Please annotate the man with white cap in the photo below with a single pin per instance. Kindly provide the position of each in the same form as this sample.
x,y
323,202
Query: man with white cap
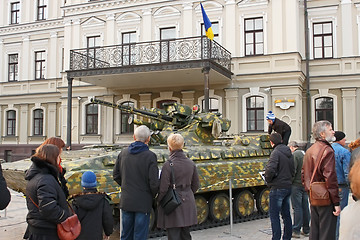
x,y
278,126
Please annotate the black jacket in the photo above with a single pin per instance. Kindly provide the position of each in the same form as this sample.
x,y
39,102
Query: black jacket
x,y
45,190
95,214
280,167
279,126
4,192
138,176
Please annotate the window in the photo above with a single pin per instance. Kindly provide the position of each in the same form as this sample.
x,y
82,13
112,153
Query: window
x,y
91,119
255,113
167,49
128,49
213,105
324,109
41,10
254,36
214,27
323,40
13,68
8,156
10,123
125,126
38,122
15,12
40,65
93,42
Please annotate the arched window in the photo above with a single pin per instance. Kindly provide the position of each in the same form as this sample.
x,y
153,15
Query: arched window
x,y
324,109
255,113
10,123
213,105
125,126
38,122
92,119
160,104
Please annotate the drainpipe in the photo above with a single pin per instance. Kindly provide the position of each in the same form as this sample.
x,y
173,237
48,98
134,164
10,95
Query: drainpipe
x,y
307,77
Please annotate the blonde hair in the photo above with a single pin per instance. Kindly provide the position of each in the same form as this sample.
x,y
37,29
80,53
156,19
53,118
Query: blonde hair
x,y
175,141
354,144
354,178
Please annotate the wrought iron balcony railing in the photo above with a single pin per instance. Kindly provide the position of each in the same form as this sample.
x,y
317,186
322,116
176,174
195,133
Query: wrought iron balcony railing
x,y
163,51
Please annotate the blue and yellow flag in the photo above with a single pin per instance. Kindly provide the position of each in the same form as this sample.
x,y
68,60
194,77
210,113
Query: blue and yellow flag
x,y
207,24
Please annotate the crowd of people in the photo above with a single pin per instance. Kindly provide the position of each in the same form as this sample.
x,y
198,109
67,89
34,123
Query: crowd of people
x,y
291,177
289,173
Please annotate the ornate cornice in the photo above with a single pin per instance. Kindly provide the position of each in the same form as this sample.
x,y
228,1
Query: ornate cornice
x,y
34,26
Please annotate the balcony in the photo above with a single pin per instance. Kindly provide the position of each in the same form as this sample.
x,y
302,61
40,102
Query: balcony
x,y
166,63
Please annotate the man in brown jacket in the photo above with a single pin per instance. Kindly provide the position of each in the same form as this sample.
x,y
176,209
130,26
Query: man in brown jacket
x,y
323,219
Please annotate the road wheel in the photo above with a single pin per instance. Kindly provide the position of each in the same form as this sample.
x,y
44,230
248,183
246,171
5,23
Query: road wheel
x,y
202,209
219,207
262,200
244,203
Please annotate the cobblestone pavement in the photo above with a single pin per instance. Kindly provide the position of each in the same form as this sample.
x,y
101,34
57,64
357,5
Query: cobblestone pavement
x,y
13,225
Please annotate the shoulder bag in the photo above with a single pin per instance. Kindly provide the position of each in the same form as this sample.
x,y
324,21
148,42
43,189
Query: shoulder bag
x,y
171,200
319,195
69,229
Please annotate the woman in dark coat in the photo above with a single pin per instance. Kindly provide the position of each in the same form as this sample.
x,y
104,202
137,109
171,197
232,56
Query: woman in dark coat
x,y
45,199
4,192
177,223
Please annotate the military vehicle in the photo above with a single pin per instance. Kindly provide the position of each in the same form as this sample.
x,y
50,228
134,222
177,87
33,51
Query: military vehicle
x,y
218,159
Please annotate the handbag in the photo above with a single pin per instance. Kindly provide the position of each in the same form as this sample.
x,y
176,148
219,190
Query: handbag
x,y
319,195
69,229
171,200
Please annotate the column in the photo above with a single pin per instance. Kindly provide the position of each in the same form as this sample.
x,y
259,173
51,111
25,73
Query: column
x,y
110,29
67,44
188,98
3,74
276,26
292,25
51,120
347,28
349,112
23,124
188,19
76,37
230,26
52,61
232,109
108,133
69,103
146,30
25,60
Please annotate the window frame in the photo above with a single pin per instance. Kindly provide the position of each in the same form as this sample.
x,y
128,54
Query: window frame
x,y
127,47
253,32
125,115
94,116
12,125
41,10
213,110
15,13
323,35
92,49
41,62
255,109
39,121
323,111
13,66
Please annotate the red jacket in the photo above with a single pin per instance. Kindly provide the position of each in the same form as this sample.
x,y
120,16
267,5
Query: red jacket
x,y
326,171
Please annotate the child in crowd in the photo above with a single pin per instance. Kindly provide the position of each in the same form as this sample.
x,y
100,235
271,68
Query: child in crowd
x,y
93,210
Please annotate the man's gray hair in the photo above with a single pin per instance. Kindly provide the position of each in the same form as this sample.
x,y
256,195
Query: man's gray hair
x,y
142,133
293,144
320,127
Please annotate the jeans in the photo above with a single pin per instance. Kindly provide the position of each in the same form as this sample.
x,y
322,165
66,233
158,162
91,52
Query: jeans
x,y
135,225
300,205
280,203
344,199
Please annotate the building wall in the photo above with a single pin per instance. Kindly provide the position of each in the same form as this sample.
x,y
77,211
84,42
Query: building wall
x,y
277,75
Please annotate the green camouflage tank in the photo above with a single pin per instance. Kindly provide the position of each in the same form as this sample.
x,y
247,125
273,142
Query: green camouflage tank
x,y
218,159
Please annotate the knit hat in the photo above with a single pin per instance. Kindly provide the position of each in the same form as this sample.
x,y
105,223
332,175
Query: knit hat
x,y
339,135
88,179
275,138
270,116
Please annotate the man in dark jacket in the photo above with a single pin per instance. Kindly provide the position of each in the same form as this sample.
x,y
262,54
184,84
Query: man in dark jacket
x,y
93,210
323,218
278,126
4,192
137,173
278,175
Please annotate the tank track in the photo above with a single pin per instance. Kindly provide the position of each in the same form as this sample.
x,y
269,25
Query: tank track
x,y
211,224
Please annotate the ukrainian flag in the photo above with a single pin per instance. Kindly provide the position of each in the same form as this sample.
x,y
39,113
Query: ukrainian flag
x,y
207,24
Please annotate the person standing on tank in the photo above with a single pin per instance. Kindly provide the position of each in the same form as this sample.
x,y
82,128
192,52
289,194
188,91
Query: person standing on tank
x,y
137,173
278,126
